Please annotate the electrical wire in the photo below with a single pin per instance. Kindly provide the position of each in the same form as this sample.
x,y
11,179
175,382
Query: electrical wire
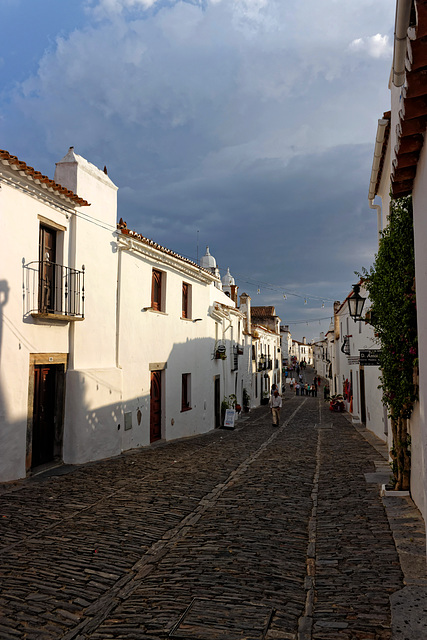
x,y
257,284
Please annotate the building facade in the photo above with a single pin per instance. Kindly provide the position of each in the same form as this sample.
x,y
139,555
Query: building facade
x,y
108,340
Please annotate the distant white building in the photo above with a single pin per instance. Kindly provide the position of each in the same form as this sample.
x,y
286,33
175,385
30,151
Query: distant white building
x,y
285,345
267,366
320,349
302,351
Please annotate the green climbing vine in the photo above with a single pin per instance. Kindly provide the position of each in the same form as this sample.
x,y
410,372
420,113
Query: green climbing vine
x,y
390,283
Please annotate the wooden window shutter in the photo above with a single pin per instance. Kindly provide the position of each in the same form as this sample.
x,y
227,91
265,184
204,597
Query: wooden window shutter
x,y
156,290
184,300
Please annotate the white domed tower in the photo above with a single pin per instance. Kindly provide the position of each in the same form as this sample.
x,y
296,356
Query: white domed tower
x,y
208,262
227,283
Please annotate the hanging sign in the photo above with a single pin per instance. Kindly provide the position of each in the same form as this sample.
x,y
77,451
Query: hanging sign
x,y
370,357
230,415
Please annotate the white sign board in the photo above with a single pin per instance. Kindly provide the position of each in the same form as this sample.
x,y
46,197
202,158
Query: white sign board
x,y
230,415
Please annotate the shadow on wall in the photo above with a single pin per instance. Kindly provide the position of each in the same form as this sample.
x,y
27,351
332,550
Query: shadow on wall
x,y
101,421
4,298
12,432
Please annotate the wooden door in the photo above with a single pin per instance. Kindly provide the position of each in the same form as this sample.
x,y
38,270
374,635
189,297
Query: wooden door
x,y
156,406
43,434
362,397
217,401
47,257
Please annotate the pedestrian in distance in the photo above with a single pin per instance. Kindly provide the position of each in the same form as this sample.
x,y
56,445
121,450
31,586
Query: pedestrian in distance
x,y
273,388
275,406
297,387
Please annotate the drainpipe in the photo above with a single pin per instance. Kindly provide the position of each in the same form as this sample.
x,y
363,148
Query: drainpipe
x,y
403,14
378,151
379,223
120,249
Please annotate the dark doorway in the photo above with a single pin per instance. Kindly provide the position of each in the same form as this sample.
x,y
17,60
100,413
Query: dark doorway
x,y
46,439
217,401
156,406
362,396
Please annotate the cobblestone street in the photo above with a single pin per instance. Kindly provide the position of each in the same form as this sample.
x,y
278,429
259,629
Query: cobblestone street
x,y
255,533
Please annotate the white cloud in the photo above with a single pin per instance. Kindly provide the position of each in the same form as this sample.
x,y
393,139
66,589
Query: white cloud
x,y
377,46
102,8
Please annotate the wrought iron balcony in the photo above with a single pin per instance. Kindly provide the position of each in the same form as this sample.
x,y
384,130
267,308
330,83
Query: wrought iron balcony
x,y
53,290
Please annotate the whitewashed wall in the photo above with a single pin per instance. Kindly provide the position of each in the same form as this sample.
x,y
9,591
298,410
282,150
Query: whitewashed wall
x,y
183,346
93,385
22,204
418,423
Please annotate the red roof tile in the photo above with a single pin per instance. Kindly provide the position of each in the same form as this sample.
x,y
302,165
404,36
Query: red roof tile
x,y
13,161
122,226
263,312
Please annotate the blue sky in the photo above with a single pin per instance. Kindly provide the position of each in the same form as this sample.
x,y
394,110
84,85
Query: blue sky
x,y
245,125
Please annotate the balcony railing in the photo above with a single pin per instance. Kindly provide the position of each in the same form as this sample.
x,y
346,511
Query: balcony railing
x,y
52,289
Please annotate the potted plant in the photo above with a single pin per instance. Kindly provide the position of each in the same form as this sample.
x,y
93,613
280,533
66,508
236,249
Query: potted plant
x,y
232,398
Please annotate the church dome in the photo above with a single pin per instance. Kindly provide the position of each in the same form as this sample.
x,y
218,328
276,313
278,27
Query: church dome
x,y
228,279
207,261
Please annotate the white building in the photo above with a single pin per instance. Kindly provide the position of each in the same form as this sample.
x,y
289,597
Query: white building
x,y
400,163
267,369
355,369
320,349
302,351
108,341
285,345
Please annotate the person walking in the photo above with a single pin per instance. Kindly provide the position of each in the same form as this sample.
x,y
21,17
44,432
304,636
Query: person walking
x,y
297,386
275,406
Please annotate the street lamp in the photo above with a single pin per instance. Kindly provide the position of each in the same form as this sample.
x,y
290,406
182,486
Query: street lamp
x,y
356,303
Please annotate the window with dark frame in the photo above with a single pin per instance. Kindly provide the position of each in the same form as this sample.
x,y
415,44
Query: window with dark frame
x,y
47,269
185,395
185,300
156,290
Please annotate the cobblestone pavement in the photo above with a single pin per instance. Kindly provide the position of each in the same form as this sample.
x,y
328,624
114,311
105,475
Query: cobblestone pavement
x,y
255,533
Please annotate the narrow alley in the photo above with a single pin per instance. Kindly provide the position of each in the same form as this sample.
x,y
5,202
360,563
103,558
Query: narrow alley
x,y
255,533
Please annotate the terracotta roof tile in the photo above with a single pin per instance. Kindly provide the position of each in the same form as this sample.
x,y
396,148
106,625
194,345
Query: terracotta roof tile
x,y
122,226
263,312
13,161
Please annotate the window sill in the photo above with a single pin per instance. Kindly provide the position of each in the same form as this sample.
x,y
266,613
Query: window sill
x,y
55,317
187,319
186,409
151,310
